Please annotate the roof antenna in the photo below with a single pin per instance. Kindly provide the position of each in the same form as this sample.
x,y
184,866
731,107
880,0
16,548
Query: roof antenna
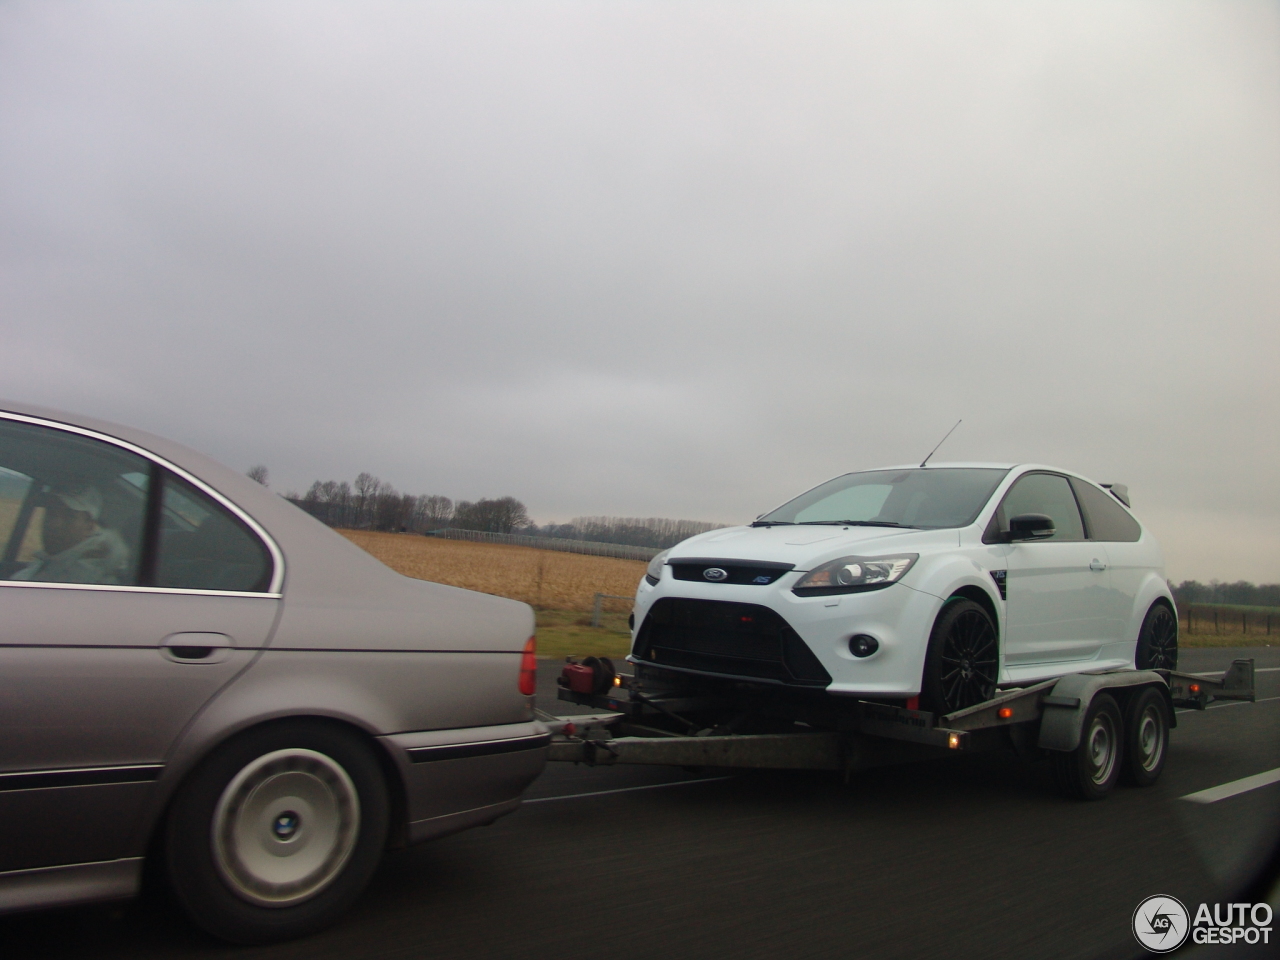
x,y
940,443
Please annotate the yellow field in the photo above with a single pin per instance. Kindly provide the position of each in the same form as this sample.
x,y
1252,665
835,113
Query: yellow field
x,y
560,586
544,578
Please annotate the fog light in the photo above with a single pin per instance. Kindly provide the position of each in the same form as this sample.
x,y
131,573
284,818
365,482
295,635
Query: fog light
x,y
863,645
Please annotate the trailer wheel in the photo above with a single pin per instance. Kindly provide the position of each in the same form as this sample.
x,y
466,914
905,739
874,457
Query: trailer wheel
x,y
1090,770
963,660
1146,737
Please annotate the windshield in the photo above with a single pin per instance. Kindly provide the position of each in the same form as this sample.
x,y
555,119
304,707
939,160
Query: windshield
x,y
927,498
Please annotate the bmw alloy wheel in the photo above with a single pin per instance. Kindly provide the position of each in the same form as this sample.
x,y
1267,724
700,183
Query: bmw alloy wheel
x,y
285,827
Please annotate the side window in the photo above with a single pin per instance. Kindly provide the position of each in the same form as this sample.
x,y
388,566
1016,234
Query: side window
x,y
1107,519
1049,494
204,547
72,509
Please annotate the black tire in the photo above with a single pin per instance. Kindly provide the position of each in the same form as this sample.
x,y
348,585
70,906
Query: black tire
x,y
1146,737
963,662
1092,769
1158,639
223,835
603,672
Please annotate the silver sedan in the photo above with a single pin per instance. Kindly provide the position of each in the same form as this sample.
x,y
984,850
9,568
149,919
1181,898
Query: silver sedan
x,y
191,665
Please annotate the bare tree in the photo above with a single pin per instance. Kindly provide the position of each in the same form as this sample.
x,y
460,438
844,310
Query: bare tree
x,y
494,516
258,473
367,486
387,508
433,512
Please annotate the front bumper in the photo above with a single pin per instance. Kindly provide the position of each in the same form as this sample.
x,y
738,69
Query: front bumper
x,y
899,617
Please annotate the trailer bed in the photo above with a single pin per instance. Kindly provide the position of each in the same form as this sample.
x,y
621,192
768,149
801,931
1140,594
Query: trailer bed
x,y
642,722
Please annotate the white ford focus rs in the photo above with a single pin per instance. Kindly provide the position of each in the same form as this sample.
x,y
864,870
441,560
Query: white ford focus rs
x,y
934,585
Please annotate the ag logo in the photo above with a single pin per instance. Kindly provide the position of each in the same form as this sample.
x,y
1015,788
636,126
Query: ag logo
x,y
715,574
1161,923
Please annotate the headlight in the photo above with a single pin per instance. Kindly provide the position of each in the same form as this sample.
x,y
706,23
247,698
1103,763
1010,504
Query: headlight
x,y
654,571
851,574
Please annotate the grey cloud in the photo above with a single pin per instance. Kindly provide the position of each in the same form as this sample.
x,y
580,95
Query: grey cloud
x,y
660,259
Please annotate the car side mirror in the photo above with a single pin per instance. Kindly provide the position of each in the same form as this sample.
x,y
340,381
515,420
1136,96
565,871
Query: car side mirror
x,y
1030,526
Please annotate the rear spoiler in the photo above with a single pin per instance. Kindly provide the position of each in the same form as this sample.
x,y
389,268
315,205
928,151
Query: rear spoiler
x,y
1119,491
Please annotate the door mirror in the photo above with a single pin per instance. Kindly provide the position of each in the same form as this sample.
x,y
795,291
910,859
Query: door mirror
x,y
1030,526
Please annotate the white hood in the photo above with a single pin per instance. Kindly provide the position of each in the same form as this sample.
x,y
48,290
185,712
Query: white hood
x,y
807,545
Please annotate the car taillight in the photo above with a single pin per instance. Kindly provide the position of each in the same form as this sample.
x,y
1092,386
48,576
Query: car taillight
x,y
529,669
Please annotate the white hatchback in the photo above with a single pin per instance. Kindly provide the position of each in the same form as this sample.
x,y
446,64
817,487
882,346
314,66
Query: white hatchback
x,y
933,585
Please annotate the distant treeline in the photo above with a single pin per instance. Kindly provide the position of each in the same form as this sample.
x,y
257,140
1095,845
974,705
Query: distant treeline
x,y
1240,593
373,504
634,531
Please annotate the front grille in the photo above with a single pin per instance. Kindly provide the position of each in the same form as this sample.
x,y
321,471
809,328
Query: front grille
x,y
732,639
752,572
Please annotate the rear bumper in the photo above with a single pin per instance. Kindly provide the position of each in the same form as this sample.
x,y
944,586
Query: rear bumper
x,y
459,778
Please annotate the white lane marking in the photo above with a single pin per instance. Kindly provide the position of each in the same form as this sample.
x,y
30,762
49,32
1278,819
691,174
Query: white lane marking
x,y
1227,703
647,786
1218,673
1244,785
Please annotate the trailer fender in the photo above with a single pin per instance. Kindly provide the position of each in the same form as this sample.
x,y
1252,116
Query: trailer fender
x,y
1068,702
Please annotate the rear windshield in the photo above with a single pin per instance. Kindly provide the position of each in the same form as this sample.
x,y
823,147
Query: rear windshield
x,y
930,498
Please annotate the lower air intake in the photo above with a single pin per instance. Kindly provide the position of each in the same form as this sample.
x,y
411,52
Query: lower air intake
x,y
731,639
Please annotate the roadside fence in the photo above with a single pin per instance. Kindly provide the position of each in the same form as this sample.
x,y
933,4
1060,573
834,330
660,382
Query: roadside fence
x,y
1206,619
597,608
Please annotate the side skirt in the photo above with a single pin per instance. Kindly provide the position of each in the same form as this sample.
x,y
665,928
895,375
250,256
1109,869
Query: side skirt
x,y
69,885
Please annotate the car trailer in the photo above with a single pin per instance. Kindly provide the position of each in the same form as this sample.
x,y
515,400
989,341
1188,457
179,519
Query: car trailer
x,y
1095,727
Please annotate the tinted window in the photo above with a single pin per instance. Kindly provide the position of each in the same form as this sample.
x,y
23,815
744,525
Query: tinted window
x,y
205,547
72,509
1049,494
1106,518
936,497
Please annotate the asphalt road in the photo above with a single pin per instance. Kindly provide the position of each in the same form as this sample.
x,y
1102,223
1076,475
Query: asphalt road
x,y
960,857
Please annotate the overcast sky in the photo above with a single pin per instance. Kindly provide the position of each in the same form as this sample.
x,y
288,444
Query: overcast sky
x,y
660,259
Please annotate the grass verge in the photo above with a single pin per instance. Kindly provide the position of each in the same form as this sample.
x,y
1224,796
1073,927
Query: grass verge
x,y
1224,639
566,633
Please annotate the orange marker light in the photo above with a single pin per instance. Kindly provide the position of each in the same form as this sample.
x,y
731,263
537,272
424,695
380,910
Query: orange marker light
x,y
617,680
1195,688
1005,712
953,741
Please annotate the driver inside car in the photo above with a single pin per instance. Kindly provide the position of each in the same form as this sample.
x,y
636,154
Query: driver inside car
x,y
76,548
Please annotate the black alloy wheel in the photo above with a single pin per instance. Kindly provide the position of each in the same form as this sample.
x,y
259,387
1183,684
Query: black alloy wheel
x,y
1158,639
963,661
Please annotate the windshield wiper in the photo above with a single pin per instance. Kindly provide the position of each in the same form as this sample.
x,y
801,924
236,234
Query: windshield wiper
x,y
862,523
773,523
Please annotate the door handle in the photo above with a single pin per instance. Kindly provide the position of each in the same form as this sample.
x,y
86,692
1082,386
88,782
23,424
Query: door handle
x,y
196,647
1097,564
